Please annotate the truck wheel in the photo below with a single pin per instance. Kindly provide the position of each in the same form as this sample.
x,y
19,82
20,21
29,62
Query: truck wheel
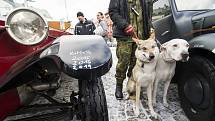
x,y
196,86
93,101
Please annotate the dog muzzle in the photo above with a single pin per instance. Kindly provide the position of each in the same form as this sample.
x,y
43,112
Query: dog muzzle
x,y
185,57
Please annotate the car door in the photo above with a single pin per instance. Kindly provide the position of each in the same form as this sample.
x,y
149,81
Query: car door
x,y
162,21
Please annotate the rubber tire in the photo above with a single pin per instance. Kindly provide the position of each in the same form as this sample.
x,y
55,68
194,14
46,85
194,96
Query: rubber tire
x,y
93,100
205,69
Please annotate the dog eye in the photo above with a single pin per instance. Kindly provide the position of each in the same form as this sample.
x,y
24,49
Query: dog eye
x,y
175,45
153,46
187,45
144,48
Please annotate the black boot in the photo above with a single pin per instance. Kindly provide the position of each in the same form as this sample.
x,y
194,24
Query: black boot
x,y
118,93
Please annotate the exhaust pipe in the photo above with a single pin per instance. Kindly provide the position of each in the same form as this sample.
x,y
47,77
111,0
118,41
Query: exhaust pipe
x,y
45,86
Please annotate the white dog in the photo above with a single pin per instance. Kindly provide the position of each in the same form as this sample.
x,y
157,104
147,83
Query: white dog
x,y
170,52
143,73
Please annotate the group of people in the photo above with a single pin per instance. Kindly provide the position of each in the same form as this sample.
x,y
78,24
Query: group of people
x,y
129,21
102,27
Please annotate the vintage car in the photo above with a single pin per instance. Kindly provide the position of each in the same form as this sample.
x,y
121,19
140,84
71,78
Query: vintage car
x,y
32,59
193,20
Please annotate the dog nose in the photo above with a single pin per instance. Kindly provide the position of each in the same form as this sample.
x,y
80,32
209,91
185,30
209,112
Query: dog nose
x,y
151,56
184,55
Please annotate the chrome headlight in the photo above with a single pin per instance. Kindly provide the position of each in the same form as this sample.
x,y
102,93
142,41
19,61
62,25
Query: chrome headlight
x,y
26,26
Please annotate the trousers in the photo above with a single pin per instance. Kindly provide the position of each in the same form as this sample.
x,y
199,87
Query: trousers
x,y
125,53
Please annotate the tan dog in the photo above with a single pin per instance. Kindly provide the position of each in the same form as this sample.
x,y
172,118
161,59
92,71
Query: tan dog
x,y
171,51
143,73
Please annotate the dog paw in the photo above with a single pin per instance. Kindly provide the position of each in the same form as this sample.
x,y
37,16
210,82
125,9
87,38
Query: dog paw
x,y
127,97
155,115
137,112
166,104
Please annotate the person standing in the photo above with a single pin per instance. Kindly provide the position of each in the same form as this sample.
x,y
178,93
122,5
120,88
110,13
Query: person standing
x,y
101,27
129,20
84,26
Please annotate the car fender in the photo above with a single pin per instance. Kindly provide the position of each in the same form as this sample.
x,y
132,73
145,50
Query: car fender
x,y
206,42
81,56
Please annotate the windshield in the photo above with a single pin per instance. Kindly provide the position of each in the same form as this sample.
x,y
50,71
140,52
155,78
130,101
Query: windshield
x,y
5,8
195,4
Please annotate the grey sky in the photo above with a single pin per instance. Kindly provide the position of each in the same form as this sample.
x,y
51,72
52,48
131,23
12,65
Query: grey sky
x,y
67,9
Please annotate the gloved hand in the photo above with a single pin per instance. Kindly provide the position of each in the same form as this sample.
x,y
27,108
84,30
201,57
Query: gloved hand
x,y
129,30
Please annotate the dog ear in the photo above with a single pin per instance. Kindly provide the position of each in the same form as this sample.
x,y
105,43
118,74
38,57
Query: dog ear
x,y
138,42
163,47
135,40
152,34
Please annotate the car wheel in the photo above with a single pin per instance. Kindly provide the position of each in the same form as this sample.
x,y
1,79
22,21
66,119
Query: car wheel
x,y
93,101
196,86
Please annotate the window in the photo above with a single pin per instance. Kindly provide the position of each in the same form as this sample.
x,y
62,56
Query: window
x,y
161,8
196,5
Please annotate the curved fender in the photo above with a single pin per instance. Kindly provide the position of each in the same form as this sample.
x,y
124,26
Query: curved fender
x,y
82,56
206,41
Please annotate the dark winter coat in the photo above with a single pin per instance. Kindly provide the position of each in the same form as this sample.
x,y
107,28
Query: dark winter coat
x,y
85,28
118,10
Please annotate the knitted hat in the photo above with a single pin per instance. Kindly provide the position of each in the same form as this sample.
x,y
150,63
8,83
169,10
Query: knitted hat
x,y
80,14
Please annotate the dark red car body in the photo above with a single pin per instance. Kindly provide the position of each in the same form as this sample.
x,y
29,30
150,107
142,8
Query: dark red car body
x,y
34,69
14,58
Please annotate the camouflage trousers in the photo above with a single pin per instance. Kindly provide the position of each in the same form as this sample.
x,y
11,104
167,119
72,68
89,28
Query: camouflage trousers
x,y
125,53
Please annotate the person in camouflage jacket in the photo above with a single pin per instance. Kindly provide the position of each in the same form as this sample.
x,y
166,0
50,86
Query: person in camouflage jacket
x,y
129,21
